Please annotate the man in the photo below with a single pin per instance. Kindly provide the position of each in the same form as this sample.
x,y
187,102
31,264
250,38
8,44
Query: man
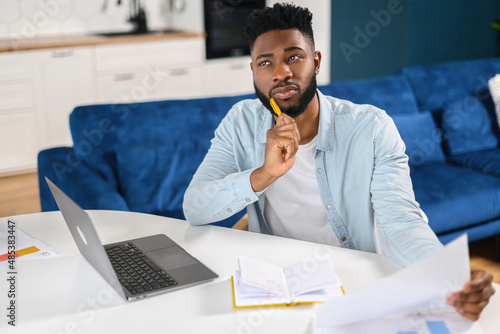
x,y
325,170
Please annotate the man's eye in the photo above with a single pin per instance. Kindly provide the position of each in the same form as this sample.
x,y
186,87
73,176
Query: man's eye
x,y
263,63
294,57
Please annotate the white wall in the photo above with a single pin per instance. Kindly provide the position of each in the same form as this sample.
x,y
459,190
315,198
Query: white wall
x,y
34,18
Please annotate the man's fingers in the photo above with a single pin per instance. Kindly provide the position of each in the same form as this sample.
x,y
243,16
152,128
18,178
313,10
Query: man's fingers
x,y
285,145
469,315
285,128
290,131
284,119
476,296
471,311
480,279
461,298
290,149
471,307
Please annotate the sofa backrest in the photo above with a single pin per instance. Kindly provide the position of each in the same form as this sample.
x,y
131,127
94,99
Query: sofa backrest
x,y
436,85
149,150
390,93
394,95
457,95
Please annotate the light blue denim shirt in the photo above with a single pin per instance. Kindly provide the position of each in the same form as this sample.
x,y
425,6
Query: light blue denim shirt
x,y
361,168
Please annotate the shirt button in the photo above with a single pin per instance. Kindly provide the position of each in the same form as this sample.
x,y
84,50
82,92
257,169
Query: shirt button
x,y
319,170
328,207
247,200
343,238
229,210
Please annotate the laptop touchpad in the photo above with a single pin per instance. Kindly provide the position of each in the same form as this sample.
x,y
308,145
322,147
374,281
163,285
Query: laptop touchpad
x,y
171,257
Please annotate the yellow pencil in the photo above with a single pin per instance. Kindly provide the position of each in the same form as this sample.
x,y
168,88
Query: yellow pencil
x,y
275,107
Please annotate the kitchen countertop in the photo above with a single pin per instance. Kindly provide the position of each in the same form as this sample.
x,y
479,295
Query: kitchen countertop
x,y
46,42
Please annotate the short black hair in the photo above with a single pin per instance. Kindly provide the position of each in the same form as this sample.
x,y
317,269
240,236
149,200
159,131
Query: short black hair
x,y
282,16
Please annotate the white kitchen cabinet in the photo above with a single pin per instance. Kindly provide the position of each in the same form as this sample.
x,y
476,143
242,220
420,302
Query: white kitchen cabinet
x,y
180,82
228,76
38,91
19,131
144,71
67,79
18,140
126,87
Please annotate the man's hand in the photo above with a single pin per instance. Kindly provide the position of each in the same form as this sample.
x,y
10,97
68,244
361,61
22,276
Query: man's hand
x,y
281,145
474,296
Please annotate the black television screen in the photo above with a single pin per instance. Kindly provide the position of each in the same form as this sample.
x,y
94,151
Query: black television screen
x,y
224,22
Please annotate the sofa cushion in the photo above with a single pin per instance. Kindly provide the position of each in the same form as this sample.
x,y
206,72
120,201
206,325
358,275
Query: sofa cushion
x,y
421,137
486,161
435,85
454,197
154,178
467,126
391,93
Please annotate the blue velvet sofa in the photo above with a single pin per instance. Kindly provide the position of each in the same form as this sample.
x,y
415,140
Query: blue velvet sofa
x,y
141,157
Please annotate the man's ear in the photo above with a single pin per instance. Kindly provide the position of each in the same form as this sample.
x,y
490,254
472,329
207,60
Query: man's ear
x,y
317,61
251,66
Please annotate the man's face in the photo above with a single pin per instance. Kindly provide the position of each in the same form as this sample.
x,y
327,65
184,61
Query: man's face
x,y
283,66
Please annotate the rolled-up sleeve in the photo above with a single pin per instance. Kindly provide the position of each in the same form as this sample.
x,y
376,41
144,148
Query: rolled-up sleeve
x,y
407,236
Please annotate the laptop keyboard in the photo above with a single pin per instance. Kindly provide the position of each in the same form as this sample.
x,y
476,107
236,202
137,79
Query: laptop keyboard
x,y
135,271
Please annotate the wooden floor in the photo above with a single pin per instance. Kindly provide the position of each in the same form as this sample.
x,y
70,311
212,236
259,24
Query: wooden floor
x,y
19,195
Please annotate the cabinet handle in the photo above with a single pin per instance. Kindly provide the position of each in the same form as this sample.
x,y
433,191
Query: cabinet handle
x,y
123,76
62,54
177,72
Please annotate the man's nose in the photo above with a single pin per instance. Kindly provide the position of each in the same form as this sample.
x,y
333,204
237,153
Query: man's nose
x,y
282,72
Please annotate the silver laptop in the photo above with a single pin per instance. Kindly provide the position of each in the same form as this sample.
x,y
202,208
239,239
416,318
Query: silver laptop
x,y
135,268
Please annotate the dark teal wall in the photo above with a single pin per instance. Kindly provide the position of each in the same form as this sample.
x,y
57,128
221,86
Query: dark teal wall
x,y
378,37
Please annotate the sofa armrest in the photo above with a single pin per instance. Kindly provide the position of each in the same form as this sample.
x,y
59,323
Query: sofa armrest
x,y
86,187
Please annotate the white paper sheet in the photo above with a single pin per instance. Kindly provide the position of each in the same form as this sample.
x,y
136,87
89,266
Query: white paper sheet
x,y
263,275
439,322
423,286
22,241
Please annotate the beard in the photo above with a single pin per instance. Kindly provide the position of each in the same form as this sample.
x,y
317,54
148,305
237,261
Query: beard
x,y
306,97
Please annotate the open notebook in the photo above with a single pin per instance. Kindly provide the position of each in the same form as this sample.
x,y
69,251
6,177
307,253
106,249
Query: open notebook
x,y
257,283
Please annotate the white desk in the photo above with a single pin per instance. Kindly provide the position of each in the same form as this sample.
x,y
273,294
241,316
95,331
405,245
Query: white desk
x,y
63,294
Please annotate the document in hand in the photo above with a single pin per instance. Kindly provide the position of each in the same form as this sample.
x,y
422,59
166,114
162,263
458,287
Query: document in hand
x,y
257,283
421,287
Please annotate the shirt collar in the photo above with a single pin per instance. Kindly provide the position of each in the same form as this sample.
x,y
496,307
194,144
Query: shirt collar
x,y
325,131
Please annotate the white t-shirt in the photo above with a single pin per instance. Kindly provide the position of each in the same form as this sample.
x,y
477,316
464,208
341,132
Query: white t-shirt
x,y
293,206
